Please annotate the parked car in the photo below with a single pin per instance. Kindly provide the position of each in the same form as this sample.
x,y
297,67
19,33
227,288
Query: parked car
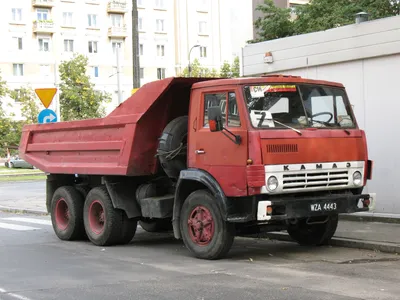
x,y
17,162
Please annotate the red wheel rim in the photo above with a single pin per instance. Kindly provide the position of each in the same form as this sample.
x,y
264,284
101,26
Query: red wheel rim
x,y
62,214
201,226
97,217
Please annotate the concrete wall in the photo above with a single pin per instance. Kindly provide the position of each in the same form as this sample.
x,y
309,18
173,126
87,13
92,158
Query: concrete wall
x,y
366,59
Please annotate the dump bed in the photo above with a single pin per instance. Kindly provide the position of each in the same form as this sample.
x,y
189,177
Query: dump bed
x,y
123,143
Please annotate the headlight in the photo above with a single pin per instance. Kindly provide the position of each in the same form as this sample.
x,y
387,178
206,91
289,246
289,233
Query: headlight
x,y
357,178
272,183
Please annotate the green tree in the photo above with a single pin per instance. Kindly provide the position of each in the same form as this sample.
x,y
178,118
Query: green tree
x,y
197,70
225,71
6,124
235,68
318,15
275,22
29,104
78,98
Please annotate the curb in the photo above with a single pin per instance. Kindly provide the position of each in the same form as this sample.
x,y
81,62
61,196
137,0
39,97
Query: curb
x,y
22,174
23,211
344,242
366,218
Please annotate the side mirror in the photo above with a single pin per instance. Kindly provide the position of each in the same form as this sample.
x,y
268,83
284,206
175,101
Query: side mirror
x,y
215,118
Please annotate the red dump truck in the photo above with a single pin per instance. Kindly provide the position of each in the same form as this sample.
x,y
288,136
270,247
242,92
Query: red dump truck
x,y
209,159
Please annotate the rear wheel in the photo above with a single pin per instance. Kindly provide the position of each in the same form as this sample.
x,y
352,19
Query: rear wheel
x,y
104,224
204,231
313,234
67,213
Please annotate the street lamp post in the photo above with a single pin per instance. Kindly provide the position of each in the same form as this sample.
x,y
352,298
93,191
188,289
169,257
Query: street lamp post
x,y
189,68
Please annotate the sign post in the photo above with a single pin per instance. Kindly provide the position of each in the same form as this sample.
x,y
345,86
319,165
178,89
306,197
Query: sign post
x,y
46,97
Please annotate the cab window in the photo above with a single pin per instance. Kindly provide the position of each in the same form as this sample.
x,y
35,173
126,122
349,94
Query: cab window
x,y
227,102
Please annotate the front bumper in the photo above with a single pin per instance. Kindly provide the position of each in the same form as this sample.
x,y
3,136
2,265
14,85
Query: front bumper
x,y
296,208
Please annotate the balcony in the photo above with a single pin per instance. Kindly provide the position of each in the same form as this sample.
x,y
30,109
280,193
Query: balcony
x,y
43,3
117,32
43,26
117,6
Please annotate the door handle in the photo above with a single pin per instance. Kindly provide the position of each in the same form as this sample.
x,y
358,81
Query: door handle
x,y
200,151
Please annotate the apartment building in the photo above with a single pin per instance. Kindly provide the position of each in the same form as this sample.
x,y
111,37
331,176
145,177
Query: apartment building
x,y
40,34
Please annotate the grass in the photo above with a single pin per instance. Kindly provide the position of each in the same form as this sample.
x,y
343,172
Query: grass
x,y
22,178
6,171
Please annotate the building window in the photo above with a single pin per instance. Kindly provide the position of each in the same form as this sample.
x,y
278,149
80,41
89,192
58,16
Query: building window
x,y
42,14
202,5
17,43
203,51
95,71
202,27
140,2
68,19
44,44
18,69
16,14
92,45
69,45
160,4
160,50
116,20
160,25
92,20
141,49
116,45
140,24
160,73
141,73
45,70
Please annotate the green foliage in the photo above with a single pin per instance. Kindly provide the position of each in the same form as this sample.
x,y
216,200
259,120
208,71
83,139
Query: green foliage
x,y
318,15
78,98
225,71
197,70
235,68
275,22
29,105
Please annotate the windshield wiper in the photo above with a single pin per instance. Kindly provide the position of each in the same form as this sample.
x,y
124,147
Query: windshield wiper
x,y
294,129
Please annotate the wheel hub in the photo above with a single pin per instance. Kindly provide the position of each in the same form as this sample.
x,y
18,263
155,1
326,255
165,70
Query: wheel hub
x,y
97,217
62,214
201,225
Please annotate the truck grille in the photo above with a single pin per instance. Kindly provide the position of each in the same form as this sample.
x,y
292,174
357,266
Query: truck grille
x,y
311,180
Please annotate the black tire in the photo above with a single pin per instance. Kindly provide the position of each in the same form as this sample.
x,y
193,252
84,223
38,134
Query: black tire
x,y
161,225
106,230
83,189
223,234
129,227
173,138
313,234
66,210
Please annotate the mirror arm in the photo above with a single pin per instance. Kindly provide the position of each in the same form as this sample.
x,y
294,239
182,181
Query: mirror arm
x,y
237,139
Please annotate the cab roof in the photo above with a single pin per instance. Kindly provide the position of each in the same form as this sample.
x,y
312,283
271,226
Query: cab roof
x,y
264,79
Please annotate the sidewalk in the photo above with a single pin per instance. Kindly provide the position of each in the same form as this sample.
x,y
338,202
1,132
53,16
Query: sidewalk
x,y
384,237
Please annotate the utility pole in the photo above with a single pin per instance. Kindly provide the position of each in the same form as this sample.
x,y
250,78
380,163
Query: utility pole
x,y
118,51
135,46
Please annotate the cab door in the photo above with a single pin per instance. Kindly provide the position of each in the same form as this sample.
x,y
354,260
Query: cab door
x,y
215,152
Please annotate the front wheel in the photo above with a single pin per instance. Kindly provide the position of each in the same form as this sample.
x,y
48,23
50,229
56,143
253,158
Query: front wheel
x,y
309,234
204,231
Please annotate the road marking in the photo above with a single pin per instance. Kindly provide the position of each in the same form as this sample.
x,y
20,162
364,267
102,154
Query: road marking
x,y
29,220
16,227
18,296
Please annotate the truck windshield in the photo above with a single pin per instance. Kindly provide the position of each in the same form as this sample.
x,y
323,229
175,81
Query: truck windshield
x,y
298,106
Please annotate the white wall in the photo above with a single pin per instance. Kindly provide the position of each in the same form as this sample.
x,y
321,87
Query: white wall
x,y
366,59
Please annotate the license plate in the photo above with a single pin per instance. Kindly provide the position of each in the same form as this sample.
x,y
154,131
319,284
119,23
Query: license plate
x,y
329,206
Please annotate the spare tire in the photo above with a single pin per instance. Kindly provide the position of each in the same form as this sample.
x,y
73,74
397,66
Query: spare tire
x,y
172,147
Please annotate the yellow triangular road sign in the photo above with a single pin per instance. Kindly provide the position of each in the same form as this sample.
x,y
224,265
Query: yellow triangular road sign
x,y
46,95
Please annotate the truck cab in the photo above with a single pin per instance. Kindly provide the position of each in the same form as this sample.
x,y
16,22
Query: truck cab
x,y
210,160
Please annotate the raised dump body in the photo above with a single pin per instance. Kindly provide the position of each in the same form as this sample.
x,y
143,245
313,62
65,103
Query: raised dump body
x,y
123,143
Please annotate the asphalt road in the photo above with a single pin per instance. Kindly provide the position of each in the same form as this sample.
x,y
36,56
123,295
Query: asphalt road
x,y
28,190
35,265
